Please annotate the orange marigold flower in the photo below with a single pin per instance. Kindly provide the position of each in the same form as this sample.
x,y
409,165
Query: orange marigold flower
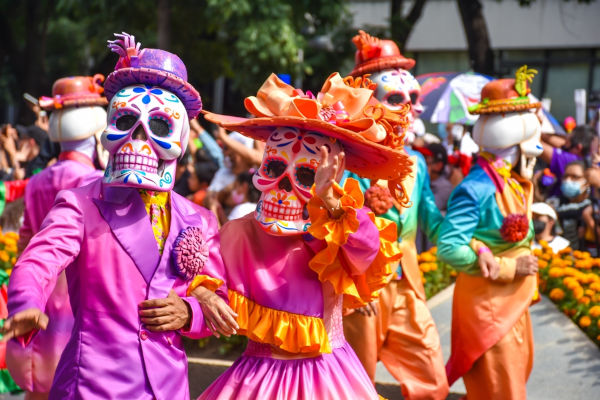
x,y
555,272
595,311
578,292
557,294
585,321
584,300
542,263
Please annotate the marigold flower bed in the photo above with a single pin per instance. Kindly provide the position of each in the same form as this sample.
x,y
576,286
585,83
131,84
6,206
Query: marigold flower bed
x,y
436,275
572,281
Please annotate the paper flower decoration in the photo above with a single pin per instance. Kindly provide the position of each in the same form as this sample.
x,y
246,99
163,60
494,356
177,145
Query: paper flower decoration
x,y
190,252
514,227
378,199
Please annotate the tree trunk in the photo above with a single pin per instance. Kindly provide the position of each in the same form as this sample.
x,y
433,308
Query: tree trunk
x,y
400,26
480,50
163,24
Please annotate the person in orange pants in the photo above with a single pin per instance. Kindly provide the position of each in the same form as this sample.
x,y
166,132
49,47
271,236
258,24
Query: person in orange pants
x,y
487,236
399,329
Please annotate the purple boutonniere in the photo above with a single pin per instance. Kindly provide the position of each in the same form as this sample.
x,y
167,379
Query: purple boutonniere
x,y
190,252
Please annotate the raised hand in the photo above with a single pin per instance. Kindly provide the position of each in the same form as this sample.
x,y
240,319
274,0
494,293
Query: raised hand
x,y
325,178
168,314
23,323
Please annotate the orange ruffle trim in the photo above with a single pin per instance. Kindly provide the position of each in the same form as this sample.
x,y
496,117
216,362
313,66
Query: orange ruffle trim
x,y
208,282
357,289
294,333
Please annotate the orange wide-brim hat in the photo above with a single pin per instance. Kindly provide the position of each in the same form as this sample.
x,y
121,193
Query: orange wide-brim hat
x,y
374,55
339,111
75,91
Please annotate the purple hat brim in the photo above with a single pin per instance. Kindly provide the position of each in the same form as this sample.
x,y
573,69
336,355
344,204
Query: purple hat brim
x,y
130,76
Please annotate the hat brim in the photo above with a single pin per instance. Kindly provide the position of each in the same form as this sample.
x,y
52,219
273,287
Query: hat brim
x,y
504,108
130,76
363,157
379,64
50,104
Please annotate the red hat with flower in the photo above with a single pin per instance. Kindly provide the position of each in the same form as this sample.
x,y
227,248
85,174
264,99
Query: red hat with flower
x,y
373,55
75,91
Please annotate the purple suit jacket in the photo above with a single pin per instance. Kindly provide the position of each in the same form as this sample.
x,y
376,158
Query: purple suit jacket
x,y
105,238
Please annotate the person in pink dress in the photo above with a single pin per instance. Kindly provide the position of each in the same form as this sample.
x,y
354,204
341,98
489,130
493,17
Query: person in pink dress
x,y
310,247
129,245
78,117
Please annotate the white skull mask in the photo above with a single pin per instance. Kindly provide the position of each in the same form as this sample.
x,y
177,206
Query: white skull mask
x,y
286,176
147,131
397,87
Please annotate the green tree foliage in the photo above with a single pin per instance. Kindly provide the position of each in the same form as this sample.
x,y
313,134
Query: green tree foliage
x,y
243,40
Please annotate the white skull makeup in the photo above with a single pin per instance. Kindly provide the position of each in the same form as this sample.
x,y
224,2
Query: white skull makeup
x,y
285,177
147,131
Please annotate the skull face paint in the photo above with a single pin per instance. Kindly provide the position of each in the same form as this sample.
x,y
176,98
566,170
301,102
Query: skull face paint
x,y
286,176
396,87
147,131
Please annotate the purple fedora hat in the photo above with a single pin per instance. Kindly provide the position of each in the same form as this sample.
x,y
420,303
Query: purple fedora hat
x,y
150,67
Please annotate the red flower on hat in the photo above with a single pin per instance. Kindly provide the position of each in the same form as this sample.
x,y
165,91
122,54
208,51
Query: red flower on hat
x,y
514,227
190,252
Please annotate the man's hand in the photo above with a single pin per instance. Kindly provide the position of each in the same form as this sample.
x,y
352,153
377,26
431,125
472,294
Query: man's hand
x,y
169,314
488,265
219,317
325,177
369,310
527,265
24,322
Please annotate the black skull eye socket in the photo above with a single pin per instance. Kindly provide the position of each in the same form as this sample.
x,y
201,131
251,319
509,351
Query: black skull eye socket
x,y
275,168
125,122
159,127
305,176
414,97
396,99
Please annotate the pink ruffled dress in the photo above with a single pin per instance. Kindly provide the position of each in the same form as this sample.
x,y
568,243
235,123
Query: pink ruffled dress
x,y
288,292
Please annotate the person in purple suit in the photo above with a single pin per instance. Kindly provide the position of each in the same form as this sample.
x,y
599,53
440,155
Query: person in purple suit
x,y
130,247
78,118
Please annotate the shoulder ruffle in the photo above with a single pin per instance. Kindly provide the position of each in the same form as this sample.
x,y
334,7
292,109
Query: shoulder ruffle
x,y
357,289
294,333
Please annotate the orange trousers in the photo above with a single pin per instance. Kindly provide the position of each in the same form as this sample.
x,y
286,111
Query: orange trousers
x,y
404,337
502,371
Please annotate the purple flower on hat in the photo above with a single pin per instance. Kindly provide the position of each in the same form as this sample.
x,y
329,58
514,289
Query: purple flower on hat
x,y
190,252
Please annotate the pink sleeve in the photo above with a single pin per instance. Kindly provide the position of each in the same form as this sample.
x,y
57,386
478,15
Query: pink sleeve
x,y
213,268
49,252
362,246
